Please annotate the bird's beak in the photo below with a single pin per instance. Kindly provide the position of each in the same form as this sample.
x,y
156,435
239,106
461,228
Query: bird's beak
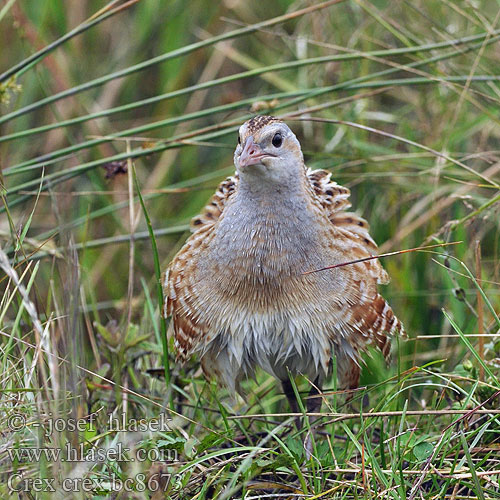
x,y
251,154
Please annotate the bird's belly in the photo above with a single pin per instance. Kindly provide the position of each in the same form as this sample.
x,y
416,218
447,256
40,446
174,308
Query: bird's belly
x,y
274,342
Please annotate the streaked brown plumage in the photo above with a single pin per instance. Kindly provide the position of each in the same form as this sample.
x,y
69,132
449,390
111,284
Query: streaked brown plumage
x,y
237,292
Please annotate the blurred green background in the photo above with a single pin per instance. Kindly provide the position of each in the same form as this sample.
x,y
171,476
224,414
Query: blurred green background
x,y
417,82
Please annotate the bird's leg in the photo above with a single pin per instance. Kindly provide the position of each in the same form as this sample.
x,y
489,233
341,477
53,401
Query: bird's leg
x,y
313,405
292,399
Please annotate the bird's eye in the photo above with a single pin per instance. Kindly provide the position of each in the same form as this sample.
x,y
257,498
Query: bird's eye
x,y
239,139
277,140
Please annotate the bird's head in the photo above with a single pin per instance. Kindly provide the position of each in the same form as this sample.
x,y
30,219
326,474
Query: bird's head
x,y
268,151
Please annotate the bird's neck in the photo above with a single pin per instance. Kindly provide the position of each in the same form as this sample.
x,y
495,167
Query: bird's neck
x,y
284,191
267,231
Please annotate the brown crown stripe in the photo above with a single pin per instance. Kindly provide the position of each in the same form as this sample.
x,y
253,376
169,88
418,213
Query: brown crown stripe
x,y
260,121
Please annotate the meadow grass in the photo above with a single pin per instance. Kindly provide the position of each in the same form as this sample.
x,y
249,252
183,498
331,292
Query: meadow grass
x,y
117,122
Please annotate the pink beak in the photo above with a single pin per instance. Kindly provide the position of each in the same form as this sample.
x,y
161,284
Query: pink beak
x,y
251,154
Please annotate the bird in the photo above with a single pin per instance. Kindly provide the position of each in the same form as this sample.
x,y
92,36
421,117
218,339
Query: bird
x,y
240,292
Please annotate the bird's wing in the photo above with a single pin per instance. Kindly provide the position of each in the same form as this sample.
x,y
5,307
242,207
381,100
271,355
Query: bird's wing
x,y
178,281
370,316
212,211
179,288
335,201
